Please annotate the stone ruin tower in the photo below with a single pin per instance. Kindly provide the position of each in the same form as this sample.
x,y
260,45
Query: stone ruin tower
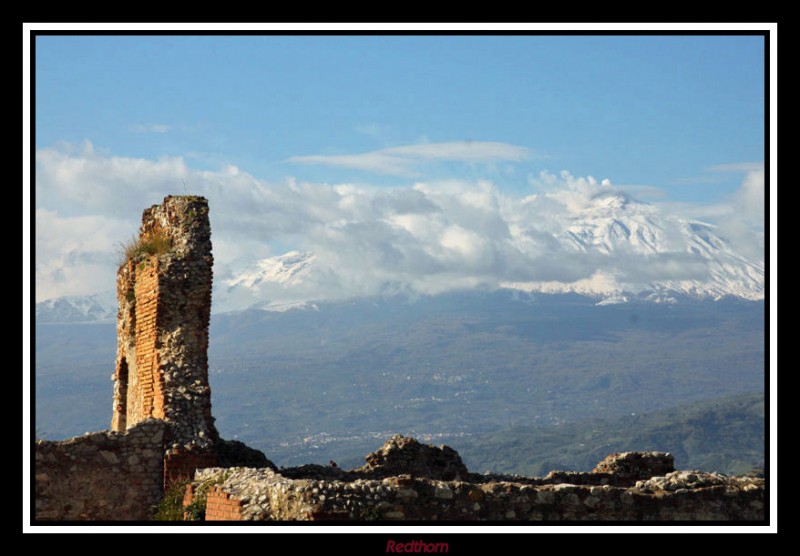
x,y
164,295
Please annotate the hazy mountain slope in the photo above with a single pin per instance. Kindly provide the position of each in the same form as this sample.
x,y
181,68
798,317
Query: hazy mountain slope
x,y
303,385
447,366
72,387
725,435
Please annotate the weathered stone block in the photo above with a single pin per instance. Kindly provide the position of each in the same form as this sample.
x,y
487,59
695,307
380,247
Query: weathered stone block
x,y
404,455
635,466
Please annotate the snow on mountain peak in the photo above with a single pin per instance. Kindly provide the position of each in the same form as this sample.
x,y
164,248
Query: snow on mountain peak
x,y
639,253
610,201
78,308
290,268
666,249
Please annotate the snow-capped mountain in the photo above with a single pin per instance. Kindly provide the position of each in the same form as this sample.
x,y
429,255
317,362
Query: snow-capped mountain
x,y
650,255
638,251
78,308
289,268
624,251
246,289
612,223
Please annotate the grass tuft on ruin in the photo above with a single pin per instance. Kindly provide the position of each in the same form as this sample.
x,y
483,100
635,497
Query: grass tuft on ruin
x,y
135,247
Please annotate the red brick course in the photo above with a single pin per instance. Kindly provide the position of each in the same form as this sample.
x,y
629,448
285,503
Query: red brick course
x,y
221,506
181,466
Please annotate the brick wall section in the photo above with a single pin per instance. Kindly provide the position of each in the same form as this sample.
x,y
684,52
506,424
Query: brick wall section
x,y
139,382
108,476
146,387
139,386
180,465
188,495
221,506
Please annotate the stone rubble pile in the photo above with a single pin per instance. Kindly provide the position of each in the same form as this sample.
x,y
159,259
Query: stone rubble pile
x,y
404,455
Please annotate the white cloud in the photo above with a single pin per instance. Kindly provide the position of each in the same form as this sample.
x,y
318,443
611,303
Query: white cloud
x,y
643,191
713,176
743,223
150,128
465,151
576,193
740,217
83,179
403,161
427,238
738,167
749,198
76,255
697,180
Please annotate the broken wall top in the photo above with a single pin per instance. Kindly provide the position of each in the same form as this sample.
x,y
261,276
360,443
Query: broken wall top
x,y
184,220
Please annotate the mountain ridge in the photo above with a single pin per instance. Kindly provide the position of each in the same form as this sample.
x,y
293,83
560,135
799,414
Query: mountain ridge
x,y
76,309
608,247
637,251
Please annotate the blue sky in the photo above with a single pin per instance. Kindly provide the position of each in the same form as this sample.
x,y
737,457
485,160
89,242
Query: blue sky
x,y
655,110
676,120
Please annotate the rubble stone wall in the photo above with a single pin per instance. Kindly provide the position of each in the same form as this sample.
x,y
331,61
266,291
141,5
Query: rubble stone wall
x,y
408,481
101,476
263,495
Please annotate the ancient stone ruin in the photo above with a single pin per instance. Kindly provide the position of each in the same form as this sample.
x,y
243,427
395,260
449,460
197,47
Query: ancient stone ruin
x,y
164,296
163,434
160,380
407,481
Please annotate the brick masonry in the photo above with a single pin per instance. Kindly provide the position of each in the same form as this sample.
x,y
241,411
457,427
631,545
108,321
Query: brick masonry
x,y
220,506
180,464
162,334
